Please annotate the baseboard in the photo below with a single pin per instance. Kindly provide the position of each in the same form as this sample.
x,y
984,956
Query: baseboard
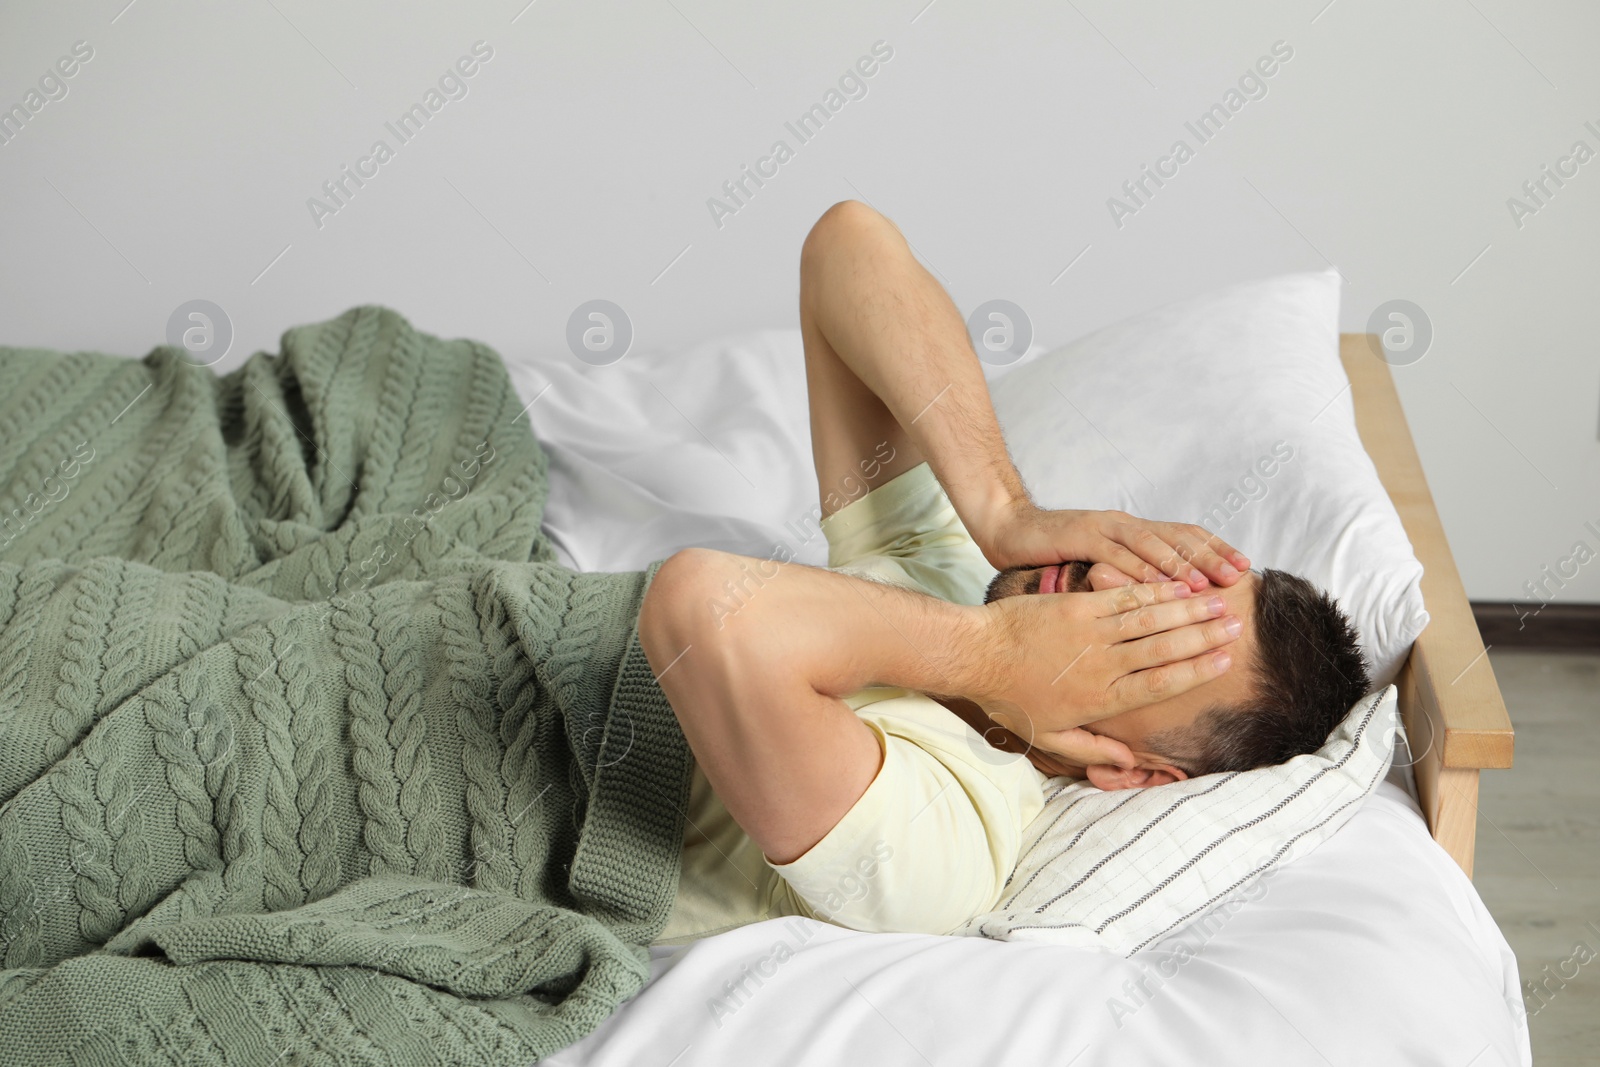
x,y
1518,624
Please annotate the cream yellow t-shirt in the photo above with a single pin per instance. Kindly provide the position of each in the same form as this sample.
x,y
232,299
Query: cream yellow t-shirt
x,y
931,841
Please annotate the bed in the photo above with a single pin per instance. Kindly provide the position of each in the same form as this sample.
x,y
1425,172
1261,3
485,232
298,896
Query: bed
x,y
1374,948
1369,945
1449,699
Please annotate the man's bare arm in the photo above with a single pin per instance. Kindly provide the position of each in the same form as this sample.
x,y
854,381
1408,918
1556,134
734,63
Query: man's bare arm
x,y
888,361
891,372
758,691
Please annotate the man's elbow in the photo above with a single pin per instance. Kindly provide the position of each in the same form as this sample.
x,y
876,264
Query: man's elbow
x,y
848,220
674,608
849,214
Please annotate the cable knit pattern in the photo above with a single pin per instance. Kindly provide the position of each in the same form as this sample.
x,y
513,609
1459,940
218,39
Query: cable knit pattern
x,y
34,589
519,735
308,750
480,753
21,913
173,736
90,851
313,734
279,817
126,634
408,736
129,848
20,425
79,690
371,754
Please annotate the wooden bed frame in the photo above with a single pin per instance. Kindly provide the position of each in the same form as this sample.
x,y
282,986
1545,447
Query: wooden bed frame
x,y
1455,718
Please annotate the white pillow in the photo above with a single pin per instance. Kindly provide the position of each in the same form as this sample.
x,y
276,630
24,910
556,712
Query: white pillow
x,y
1233,411
1121,870
706,444
709,444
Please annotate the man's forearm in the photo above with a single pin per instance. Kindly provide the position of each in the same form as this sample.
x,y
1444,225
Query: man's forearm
x,y
757,692
891,325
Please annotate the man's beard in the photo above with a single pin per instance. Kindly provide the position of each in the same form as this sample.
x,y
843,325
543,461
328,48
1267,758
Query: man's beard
x,y
1015,580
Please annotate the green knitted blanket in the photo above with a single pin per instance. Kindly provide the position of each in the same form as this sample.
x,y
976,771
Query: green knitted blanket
x,y
309,751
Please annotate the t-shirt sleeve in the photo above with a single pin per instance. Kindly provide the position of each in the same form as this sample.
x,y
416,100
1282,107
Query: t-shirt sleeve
x,y
907,533
932,840
934,837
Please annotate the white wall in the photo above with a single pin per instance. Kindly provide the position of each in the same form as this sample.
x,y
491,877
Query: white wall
x,y
580,163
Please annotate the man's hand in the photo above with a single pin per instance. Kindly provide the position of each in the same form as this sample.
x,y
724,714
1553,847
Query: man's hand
x,y
1022,534
893,380
760,691
1075,658
1070,752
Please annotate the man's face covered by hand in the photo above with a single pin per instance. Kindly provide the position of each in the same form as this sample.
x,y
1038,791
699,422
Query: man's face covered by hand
x,y
1136,728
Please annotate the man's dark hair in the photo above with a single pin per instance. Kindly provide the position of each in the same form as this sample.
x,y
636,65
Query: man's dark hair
x,y
1308,672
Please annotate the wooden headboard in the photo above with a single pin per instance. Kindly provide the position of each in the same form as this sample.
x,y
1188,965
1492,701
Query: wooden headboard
x,y
1455,718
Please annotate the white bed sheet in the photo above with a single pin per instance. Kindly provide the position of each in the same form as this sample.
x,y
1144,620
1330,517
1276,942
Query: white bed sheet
x,y
1373,949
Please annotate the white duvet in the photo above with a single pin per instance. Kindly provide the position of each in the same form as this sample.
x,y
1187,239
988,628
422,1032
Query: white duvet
x,y
1373,949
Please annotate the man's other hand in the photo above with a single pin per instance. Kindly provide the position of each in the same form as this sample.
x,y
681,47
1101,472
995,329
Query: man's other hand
x,y
1142,550
1075,658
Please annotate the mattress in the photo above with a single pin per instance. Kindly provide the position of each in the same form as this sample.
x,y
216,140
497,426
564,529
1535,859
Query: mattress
x,y
1373,949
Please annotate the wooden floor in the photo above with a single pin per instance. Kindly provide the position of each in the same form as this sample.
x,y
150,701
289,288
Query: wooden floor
x,y
1538,866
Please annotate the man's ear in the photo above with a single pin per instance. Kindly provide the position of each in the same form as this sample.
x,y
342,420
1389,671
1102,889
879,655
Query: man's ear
x,y
1107,777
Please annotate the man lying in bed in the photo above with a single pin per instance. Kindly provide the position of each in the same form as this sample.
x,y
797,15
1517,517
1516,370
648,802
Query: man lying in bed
x,y
839,775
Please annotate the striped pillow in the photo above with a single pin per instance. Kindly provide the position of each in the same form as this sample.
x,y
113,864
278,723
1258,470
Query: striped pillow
x,y
1121,870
